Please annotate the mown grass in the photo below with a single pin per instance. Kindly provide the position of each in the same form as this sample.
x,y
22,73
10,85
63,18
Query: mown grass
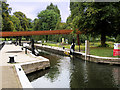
x,y
101,51
94,49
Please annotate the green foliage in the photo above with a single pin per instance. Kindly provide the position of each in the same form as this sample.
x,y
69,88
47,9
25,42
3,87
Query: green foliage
x,y
16,22
96,18
23,20
61,26
7,24
47,19
30,25
54,8
117,39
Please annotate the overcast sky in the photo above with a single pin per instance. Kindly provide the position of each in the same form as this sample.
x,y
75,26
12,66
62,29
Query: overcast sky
x,y
32,7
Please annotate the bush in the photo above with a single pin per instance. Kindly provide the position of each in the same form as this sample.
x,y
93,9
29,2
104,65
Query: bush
x,y
106,45
117,39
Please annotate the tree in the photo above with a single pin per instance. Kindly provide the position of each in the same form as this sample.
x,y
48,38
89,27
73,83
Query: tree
x,y
96,18
69,22
48,19
23,20
36,24
54,8
117,39
0,16
30,23
16,22
7,24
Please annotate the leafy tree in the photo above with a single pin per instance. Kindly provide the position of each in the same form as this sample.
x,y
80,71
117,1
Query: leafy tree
x,y
0,16
96,18
48,19
117,39
30,25
7,24
36,24
54,8
16,22
23,20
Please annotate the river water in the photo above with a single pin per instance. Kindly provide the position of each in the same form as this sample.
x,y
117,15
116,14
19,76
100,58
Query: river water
x,y
66,72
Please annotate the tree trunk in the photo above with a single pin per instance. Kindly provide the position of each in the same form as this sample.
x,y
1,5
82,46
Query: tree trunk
x,y
5,38
103,40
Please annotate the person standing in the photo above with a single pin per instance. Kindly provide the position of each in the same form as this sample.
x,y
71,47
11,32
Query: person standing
x,y
72,48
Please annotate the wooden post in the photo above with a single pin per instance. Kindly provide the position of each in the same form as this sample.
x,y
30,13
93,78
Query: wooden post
x,y
78,41
25,50
87,50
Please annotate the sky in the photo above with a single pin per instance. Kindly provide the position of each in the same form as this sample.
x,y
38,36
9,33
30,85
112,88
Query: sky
x,y
31,8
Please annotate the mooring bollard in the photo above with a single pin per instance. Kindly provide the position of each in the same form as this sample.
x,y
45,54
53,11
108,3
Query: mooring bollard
x,y
63,47
11,59
22,48
87,50
16,44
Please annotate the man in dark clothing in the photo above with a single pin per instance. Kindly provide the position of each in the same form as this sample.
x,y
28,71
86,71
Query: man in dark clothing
x,y
72,47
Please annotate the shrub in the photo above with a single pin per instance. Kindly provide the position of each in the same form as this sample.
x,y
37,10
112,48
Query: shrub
x,y
117,39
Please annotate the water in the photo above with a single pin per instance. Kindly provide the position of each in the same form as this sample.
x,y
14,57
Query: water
x,y
75,73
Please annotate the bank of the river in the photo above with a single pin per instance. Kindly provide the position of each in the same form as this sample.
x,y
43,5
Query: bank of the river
x,y
91,58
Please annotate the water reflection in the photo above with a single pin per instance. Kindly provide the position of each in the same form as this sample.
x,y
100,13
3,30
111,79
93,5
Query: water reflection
x,y
54,64
91,75
37,74
116,76
76,73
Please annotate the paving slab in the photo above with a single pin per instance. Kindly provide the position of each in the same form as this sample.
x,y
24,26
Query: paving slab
x,y
10,78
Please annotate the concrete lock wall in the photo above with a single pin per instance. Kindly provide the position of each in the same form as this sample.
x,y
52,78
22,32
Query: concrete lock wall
x,y
52,50
90,58
35,66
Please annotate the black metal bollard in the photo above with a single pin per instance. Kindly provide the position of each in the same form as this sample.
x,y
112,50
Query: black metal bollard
x,y
11,59
22,48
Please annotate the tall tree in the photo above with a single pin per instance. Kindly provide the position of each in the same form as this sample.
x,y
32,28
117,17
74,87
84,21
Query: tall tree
x,y
54,8
30,24
48,19
16,22
96,18
23,20
7,24
0,16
